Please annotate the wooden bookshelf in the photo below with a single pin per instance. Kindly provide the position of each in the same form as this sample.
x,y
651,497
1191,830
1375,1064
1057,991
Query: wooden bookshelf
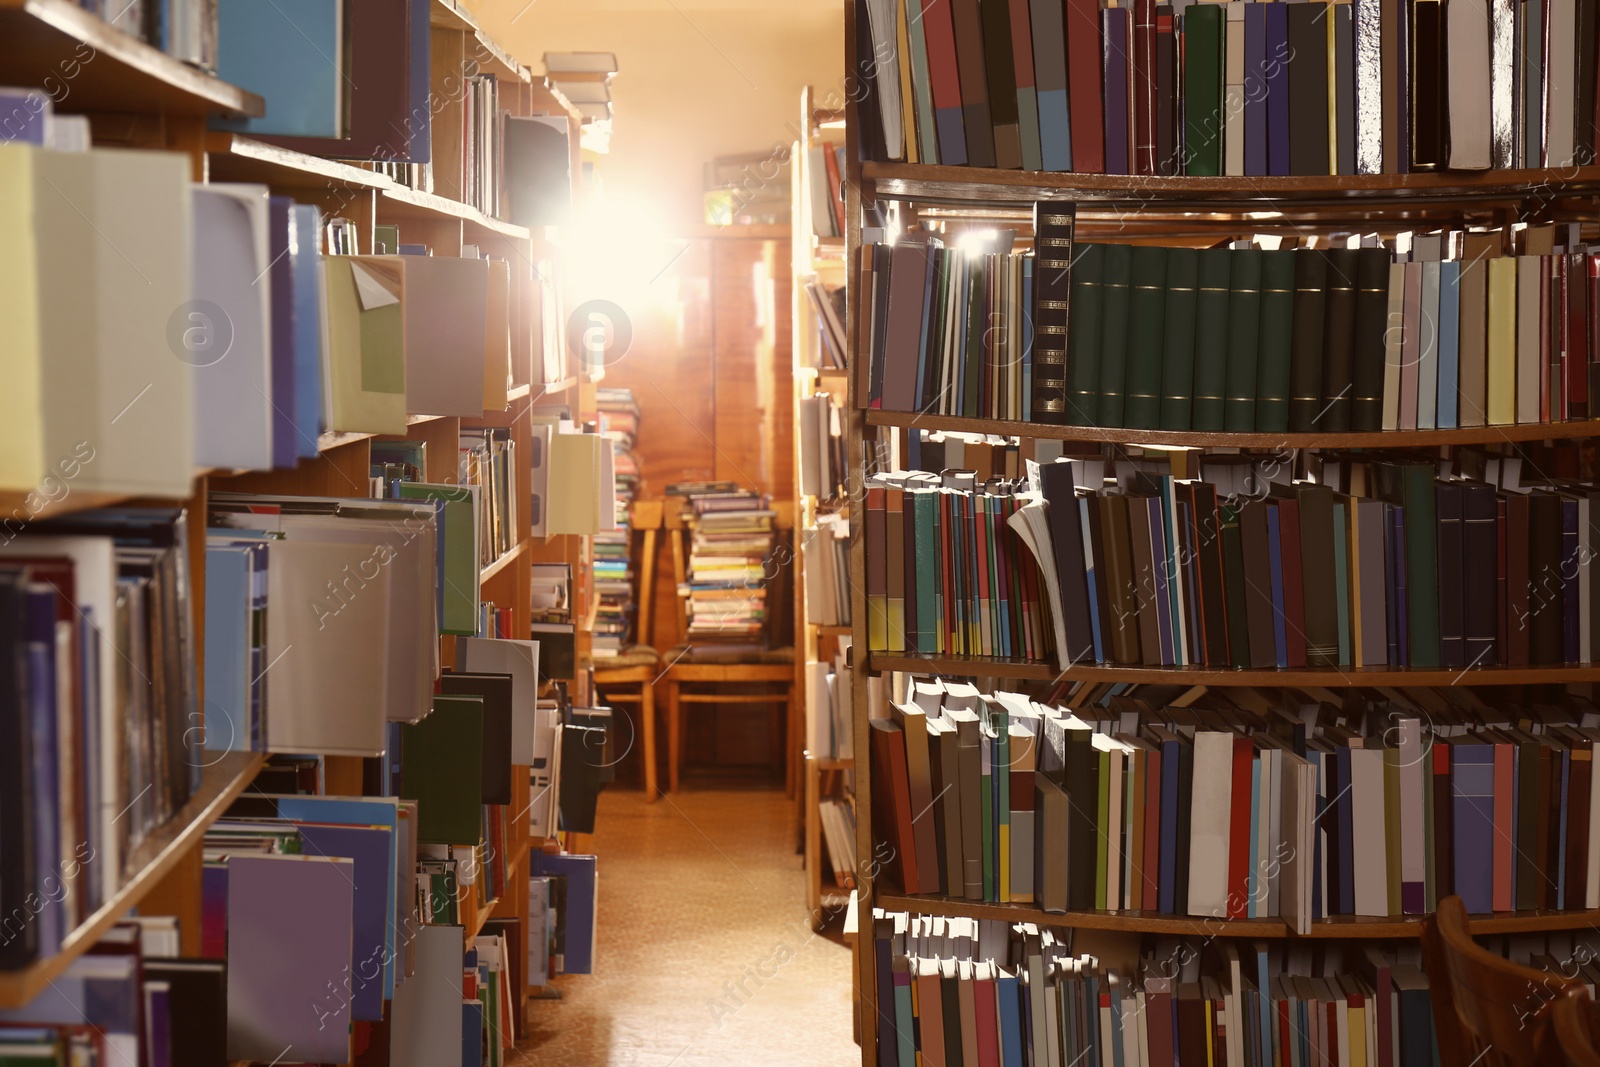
x,y
147,865
1140,922
1467,435
1030,670
85,65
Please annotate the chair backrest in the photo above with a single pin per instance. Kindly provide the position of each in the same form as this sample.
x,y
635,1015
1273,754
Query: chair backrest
x,y
1487,1010
644,519
1573,1016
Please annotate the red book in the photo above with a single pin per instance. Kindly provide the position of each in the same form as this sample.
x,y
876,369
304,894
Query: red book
x,y
1239,831
983,997
1158,1023
1294,611
1152,831
1575,364
1505,823
943,77
1085,97
1144,87
830,163
1549,329
891,795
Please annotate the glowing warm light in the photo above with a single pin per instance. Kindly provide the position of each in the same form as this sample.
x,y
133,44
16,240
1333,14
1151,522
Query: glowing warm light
x,y
617,250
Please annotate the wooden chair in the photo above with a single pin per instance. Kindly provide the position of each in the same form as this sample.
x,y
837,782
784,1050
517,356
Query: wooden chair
x,y
757,676
630,677
1487,1011
1573,1016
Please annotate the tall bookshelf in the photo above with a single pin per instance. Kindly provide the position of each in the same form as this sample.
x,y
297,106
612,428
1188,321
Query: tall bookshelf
x,y
137,96
816,258
1167,210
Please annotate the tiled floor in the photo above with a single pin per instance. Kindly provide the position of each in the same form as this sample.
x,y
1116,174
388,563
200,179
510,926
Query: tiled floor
x,y
706,955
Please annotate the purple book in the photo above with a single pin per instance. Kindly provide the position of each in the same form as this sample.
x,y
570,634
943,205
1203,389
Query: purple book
x,y
285,449
1472,793
1276,18
158,1024
368,848
214,911
1255,89
289,944
1115,37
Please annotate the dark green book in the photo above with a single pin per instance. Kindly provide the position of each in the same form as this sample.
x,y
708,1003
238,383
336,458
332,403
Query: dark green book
x,y
1305,348
1083,337
1177,347
1244,340
1202,89
1277,332
1147,306
1372,323
441,768
1410,485
1233,585
1339,341
1211,339
1114,284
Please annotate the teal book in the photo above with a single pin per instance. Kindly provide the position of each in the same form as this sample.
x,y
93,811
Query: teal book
x,y
290,52
1114,297
1147,307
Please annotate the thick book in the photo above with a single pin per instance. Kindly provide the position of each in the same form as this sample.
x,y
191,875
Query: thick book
x,y
1116,280
1084,332
1178,345
1146,334
441,767
1000,69
892,802
1367,352
1203,31
1085,93
1273,360
1309,337
1212,312
1244,341
971,64
1053,281
1339,341
1308,88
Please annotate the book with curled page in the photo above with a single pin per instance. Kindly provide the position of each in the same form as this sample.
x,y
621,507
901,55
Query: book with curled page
x,y
1052,296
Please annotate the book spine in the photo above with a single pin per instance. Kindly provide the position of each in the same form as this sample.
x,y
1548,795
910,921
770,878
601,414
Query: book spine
x,y
1244,331
1305,372
1211,340
1116,265
1177,369
1276,340
1146,332
1203,30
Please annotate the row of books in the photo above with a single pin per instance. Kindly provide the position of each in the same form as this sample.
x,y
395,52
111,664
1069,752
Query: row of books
x,y
328,342
822,446
830,699
1390,564
838,821
615,618
573,478
825,550
1236,88
730,565
825,167
98,712
1439,332
131,1000
829,304
1375,808
957,990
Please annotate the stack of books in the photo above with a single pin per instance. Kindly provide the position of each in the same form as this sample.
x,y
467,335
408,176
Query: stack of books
x,y
488,467
730,564
98,746
1438,331
822,446
613,563
825,169
996,992
825,550
830,697
1229,88
1380,807
829,303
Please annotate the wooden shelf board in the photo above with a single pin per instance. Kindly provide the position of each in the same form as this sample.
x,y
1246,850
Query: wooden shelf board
x,y
1471,435
505,560
93,67
835,764
418,420
399,202
984,667
830,631
518,392
446,14
237,158
924,182
220,783
551,388
336,438
1344,926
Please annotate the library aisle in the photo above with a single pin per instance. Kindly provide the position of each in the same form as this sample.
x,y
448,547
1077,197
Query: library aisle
x,y
705,952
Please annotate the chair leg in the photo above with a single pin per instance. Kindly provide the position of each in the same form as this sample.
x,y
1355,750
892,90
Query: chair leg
x,y
674,736
647,722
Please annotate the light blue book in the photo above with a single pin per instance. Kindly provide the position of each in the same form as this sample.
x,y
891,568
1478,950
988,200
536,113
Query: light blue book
x,y
305,264
228,675
1449,343
290,53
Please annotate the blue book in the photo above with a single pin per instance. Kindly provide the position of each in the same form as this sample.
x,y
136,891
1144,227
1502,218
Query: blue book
x,y
1341,581
40,651
419,120
1280,637
1472,809
577,950
290,52
1446,412
369,849
1169,829
1089,579
1010,1021
306,267
472,1034
25,113
1276,18
1255,91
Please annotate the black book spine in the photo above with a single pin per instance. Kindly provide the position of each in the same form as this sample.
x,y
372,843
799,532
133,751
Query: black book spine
x,y
19,942
1051,311
1452,620
1372,322
1001,69
1338,357
1479,551
1306,345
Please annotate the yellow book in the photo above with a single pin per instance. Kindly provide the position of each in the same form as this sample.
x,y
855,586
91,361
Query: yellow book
x,y
21,406
1502,391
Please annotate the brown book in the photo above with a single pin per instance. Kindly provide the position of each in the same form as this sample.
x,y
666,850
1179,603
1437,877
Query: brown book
x,y
1121,583
1516,588
891,803
972,71
1318,576
1579,776
1144,575
1473,367
1544,578
1258,583
913,723
1050,844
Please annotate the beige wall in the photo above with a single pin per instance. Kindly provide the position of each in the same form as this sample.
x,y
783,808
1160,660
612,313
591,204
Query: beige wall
x,y
698,79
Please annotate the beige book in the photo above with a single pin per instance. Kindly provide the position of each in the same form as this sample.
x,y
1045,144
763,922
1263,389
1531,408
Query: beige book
x,y
1502,342
1528,361
1467,44
497,338
22,463
1369,834
1208,823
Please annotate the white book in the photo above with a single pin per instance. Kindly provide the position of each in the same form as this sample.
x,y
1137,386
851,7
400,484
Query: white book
x,y
1208,823
1561,79
1467,45
1369,832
